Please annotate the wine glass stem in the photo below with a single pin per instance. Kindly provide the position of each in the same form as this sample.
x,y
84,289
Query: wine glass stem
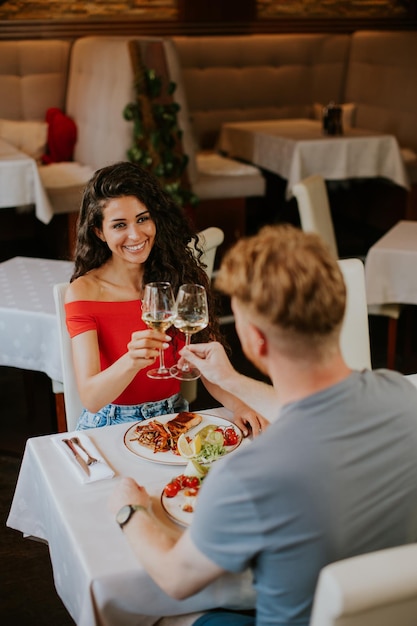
x,y
161,361
186,367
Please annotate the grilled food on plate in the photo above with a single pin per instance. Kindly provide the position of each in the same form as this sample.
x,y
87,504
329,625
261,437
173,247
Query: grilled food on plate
x,y
163,437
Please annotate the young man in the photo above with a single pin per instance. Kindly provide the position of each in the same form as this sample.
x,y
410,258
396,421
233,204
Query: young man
x,y
334,475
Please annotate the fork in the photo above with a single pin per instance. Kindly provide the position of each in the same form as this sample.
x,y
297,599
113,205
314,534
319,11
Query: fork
x,y
90,459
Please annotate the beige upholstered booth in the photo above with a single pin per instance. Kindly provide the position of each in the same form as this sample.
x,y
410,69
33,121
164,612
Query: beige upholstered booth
x,y
254,77
219,79
382,83
99,87
33,77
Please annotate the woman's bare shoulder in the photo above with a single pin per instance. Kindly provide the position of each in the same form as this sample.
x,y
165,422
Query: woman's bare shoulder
x,y
83,288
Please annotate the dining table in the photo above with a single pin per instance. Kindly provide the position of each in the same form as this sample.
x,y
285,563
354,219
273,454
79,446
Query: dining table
x,y
297,148
95,572
390,266
29,337
20,183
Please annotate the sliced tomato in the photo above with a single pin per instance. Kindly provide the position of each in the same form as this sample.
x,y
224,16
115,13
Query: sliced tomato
x,y
171,490
181,481
192,482
230,436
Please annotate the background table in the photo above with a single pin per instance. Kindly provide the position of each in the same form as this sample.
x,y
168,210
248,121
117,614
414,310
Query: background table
x,y
20,183
390,266
295,149
95,572
28,324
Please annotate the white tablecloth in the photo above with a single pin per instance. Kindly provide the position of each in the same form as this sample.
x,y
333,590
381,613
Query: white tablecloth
x,y
28,325
20,183
95,572
295,149
391,266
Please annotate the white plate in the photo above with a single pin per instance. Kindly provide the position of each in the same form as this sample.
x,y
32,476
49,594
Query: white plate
x,y
169,458
173,508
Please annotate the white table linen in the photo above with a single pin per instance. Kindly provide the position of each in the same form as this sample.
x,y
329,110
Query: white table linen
x,y
28,324
390,266
297,148
95,572
20,182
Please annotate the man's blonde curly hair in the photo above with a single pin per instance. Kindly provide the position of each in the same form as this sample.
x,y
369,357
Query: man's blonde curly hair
x,y
290,280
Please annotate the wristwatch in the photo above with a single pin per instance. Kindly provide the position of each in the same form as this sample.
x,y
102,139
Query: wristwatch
x,y
126,512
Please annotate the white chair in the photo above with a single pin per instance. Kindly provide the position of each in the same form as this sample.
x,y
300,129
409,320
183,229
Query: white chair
x,y
211,238
72,401
374,589
354,336
315,216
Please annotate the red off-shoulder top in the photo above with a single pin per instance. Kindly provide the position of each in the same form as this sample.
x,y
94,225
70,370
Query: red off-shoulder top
x,y
114,323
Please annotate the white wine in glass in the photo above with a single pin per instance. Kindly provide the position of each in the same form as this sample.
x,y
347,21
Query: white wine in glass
x,y
158,313
191,310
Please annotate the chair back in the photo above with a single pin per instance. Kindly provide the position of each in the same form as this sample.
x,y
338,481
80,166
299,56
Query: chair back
x,y
354,337
314,209
211,238
374,589
73,405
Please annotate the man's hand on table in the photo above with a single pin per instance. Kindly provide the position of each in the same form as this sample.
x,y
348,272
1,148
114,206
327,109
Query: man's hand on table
x,y
249,421
127,491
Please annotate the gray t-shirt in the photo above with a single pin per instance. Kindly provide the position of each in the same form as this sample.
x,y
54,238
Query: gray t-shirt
x,y
333,477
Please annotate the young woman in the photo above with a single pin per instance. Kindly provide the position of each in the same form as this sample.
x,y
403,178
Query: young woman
x,y
130,232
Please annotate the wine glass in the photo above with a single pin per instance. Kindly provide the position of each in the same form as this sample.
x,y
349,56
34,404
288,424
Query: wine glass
x,y
158,312
191,316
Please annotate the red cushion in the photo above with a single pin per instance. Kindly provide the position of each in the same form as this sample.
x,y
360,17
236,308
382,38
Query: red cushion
x,y
62,135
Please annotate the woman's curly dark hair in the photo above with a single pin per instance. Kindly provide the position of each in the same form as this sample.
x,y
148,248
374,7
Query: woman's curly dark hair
x,y
176,254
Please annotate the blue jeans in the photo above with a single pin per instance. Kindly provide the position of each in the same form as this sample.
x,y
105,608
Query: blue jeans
x,y
225,618
120,413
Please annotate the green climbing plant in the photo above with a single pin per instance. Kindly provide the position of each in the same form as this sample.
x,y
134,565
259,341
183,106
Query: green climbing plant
x,y
157,137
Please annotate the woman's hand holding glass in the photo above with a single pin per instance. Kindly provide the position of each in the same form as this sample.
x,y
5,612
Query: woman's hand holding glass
x,y
158,313
191,316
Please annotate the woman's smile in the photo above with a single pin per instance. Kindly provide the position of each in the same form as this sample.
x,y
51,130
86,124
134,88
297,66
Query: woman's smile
x,y
136,247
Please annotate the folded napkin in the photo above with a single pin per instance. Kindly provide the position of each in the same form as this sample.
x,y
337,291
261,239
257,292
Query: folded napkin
x,y
96,471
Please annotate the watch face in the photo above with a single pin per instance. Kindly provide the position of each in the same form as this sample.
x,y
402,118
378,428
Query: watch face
x,y
124,514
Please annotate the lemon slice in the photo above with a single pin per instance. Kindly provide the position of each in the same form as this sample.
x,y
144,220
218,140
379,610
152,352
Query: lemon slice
x,y
214,438
185,449
188,449
196,442
195,469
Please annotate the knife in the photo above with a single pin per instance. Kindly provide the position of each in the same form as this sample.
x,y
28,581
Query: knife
x,y
78,457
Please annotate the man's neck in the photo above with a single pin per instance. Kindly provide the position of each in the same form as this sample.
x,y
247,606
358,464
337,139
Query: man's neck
x,y
295,380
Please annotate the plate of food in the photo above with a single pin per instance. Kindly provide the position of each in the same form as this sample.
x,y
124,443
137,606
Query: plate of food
x,y
176,438
179,496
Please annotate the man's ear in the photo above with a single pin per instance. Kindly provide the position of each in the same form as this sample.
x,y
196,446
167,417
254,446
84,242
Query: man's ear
x,y
258,340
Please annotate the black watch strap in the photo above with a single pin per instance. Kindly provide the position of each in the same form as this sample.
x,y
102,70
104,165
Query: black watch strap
x,y
126,512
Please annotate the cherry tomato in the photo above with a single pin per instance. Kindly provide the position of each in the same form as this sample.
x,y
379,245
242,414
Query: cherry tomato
x,y
181,481
171,490
230,436
192,482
